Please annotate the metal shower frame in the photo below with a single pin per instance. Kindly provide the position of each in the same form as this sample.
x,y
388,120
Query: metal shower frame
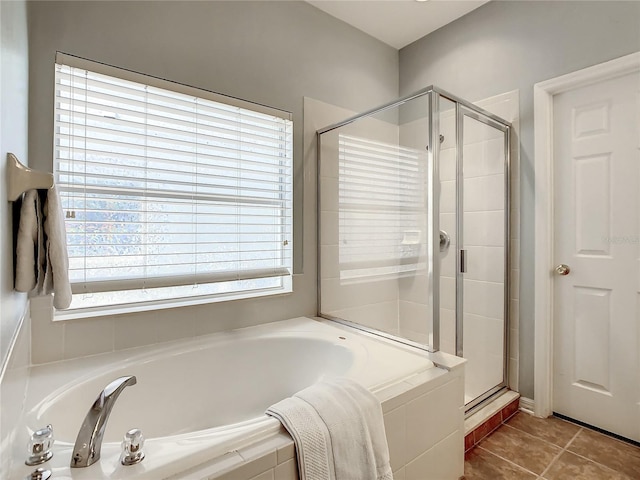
x,y
462,108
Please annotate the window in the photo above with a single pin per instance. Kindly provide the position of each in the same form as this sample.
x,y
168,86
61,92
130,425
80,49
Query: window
x,y
169,191
382,208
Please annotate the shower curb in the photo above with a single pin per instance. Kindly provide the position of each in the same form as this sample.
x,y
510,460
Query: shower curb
x,y
474,437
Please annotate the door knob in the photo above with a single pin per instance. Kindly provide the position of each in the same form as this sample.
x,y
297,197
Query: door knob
x,y
563,269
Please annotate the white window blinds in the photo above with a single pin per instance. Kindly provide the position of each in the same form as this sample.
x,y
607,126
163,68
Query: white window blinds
x,y
170,186
382,208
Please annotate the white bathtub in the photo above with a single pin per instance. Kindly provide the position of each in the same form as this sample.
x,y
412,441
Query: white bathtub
x,y
198,399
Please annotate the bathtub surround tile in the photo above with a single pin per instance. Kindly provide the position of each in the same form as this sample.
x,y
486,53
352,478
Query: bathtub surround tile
x,y
264,455
423,431
521,448
287,470
439,462
275,459
268,475
249,468
443,458
130,333
401,393
167,329
286,452
552,430
570,467
481,464
13,385
83,338
47,336
221,466
608,451
395,426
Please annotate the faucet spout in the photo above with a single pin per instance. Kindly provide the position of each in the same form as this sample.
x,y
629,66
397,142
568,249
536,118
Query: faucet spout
x,y
89,440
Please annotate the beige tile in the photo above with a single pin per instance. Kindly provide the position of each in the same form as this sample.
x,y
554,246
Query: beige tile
x,y
259,457
47,336
222,468
571,467
483,465
268,475
551,429
88,337
445,460
423,431
173,324
287,452
399,474
395,428
13,389
134,332
521,448
615,454
251,468
287,470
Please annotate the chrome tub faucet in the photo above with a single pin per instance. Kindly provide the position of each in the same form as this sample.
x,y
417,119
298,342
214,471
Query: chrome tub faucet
x,y
89,441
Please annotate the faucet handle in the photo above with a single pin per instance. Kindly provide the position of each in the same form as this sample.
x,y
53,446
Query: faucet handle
x,y
40,445
39,474
132,447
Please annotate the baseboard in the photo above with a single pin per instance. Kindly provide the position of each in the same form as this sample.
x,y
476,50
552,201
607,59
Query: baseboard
x,y
526,405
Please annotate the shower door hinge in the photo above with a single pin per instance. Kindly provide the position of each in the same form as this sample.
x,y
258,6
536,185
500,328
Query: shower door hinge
x,y
463,261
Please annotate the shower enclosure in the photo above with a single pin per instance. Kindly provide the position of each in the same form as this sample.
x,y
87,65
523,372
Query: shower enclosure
x,y
413,229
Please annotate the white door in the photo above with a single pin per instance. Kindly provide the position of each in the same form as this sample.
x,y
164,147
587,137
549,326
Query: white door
x,y
597,235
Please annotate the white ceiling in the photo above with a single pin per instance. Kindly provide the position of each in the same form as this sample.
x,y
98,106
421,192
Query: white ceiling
x,y
397,22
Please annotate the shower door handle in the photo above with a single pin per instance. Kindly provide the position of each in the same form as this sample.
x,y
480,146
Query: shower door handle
x,y
463,261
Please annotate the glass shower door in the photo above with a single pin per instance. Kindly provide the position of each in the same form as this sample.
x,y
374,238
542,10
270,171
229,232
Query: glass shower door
x,y
482,261
374,231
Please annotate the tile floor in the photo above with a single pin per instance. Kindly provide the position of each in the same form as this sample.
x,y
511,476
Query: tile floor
x,y
526,447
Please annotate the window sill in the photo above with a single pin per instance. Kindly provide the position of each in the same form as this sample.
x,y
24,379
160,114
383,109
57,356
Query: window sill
x,y
63,315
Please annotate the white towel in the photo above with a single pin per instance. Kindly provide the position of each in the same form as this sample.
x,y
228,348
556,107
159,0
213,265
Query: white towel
x,y
338,429
42,263
56,278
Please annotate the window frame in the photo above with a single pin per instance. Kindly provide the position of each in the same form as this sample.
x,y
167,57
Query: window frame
x,y
286,283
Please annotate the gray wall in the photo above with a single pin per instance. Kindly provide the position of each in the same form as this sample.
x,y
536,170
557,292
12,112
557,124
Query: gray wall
x,y
504,46
14,82
267,52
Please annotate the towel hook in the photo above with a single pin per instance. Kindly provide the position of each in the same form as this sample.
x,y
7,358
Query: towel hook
x,y
21,178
